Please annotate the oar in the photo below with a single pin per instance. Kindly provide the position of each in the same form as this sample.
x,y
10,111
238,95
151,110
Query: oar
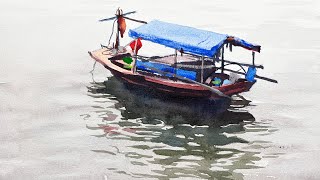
x,y
132,12
125,14
216,91
136,20
259,77
107,19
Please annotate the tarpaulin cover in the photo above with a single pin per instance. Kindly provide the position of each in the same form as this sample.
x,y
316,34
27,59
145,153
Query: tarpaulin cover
x,y
190,39
196,41
147,66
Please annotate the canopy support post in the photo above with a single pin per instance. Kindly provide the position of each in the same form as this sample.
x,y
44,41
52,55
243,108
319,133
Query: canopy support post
x,y
202,64
253,53
222,60
134,57
175,60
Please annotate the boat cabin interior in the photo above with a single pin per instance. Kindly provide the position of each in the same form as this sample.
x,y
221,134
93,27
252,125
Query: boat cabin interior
x,y
185,65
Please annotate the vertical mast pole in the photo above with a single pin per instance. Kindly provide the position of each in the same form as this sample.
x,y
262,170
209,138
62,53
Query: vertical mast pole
x,y
118,30
118,38
118,33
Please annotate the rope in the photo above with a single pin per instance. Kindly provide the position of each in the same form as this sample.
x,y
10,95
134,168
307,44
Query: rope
x,y
93,78
94,65
111,32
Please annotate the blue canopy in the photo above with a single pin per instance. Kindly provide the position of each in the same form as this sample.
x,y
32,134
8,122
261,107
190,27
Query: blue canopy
x,y
196,41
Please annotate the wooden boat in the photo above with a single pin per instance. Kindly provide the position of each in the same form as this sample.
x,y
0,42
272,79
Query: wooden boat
x,y
190,72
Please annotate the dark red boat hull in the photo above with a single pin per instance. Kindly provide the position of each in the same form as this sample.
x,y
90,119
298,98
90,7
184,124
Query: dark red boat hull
x,y
168,86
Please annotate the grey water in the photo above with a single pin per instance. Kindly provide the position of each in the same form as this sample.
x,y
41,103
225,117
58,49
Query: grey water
x,y
59,121
172,135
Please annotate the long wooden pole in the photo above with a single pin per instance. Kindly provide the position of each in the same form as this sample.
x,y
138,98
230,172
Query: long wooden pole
x,y
216,91
259,77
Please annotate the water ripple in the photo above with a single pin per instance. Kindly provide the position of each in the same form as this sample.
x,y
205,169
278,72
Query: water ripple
x,y
174,141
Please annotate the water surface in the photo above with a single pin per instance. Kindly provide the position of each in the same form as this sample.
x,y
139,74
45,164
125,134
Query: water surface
x,y
57,123
170,140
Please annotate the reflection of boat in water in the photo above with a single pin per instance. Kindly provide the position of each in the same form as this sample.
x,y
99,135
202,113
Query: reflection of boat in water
x,y
156,132
136,103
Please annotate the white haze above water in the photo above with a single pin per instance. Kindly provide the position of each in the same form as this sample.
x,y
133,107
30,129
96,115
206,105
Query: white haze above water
x,y
44,101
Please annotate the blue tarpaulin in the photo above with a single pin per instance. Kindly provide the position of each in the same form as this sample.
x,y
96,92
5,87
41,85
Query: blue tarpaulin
x,y
147,66
196,41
